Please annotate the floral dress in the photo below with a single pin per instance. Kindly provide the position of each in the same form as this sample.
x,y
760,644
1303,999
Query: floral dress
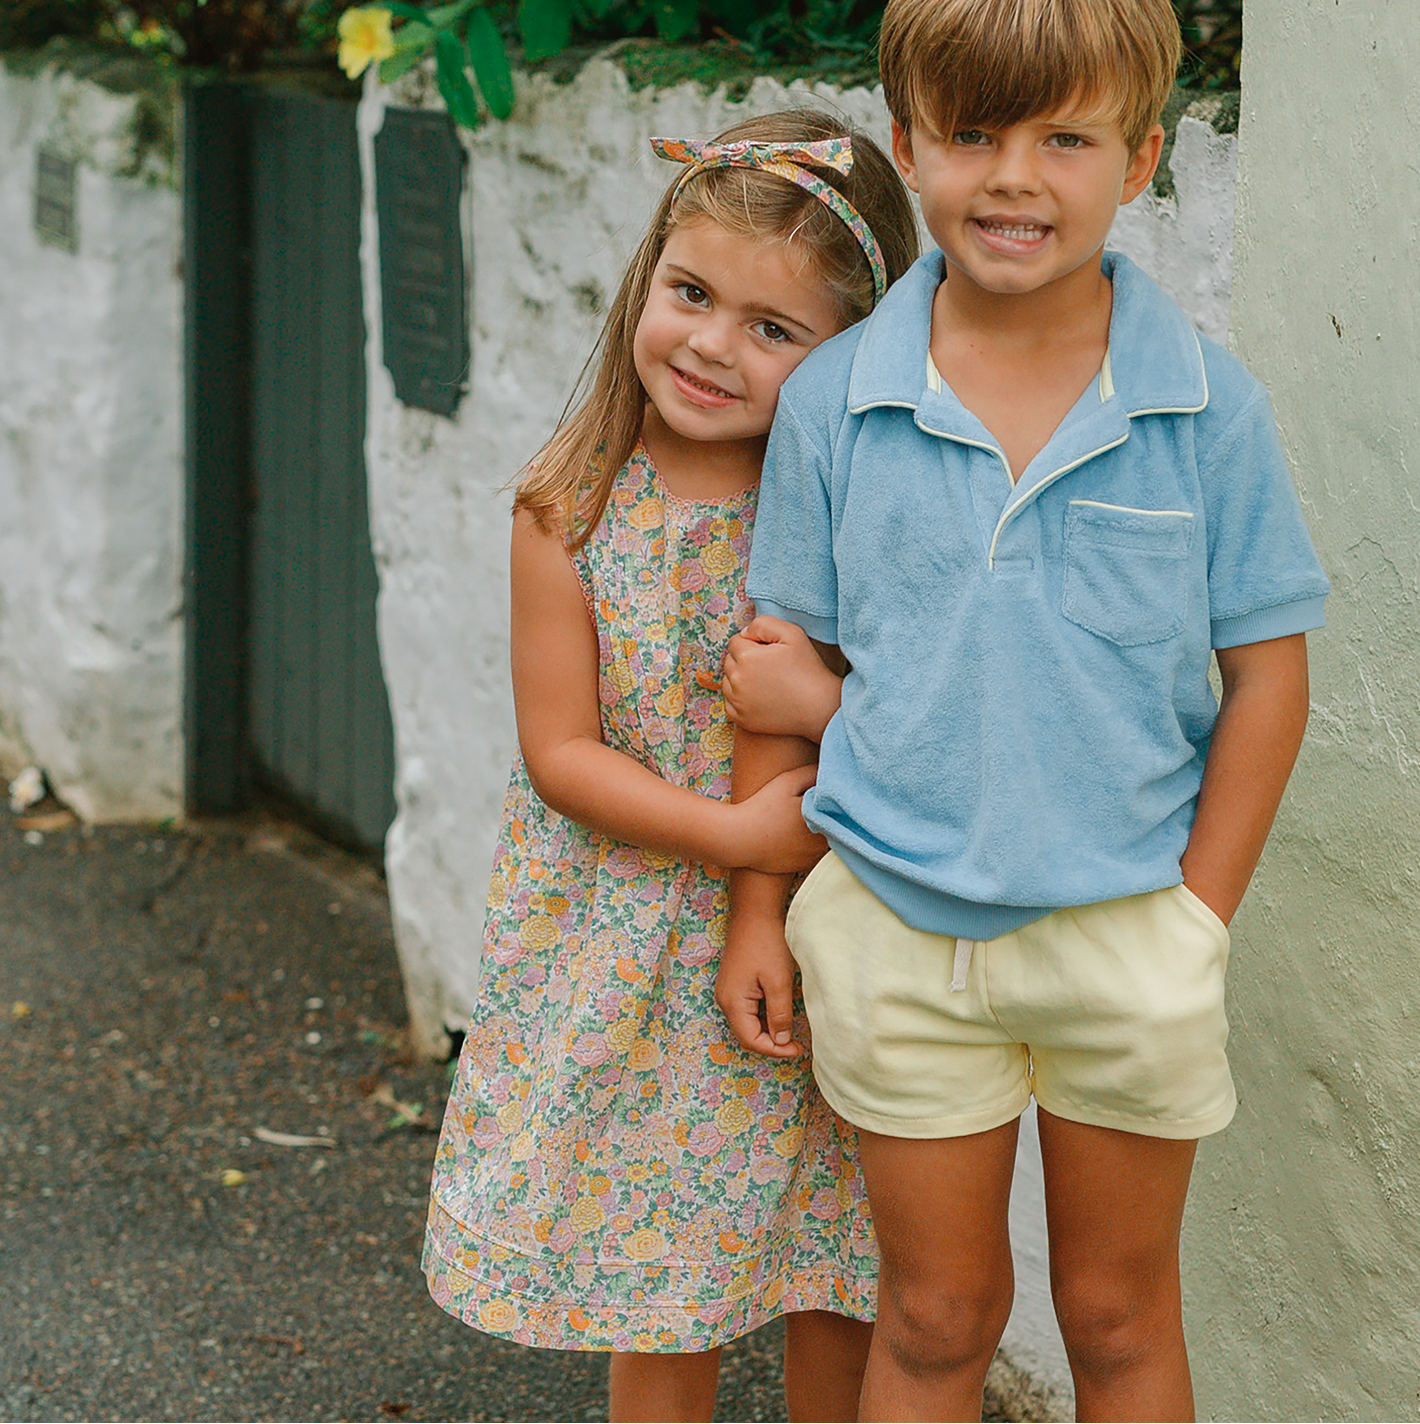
x,y
615,1172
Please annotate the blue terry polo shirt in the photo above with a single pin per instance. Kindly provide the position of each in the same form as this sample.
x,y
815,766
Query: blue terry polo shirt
x,y
1028,712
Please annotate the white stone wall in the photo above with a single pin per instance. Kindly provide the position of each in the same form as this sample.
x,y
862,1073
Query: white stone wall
x,y
1304,1239
90,459
556,198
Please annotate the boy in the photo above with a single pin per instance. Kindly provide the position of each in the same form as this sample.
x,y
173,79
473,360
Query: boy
x,y
1028,504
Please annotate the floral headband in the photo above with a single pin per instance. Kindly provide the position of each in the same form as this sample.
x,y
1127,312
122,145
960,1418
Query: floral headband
x,y
786,160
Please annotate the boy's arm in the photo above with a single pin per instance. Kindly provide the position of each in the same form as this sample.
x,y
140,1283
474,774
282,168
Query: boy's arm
x,y
756,975
1255,740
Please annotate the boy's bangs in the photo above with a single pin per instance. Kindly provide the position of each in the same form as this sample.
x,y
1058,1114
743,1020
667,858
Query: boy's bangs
x,y
949,64
999,86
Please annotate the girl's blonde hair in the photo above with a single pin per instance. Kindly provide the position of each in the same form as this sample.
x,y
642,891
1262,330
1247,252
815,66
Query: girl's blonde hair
x,y
569,482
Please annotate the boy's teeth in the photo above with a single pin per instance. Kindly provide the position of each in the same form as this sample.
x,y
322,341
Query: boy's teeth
x,y
1020,231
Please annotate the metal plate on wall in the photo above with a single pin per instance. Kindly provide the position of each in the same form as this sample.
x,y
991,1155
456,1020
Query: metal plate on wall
x,y
57,200
418,184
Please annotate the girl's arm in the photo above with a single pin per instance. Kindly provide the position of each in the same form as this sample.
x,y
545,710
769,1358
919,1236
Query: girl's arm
x,y
775,681
1255,742
555,664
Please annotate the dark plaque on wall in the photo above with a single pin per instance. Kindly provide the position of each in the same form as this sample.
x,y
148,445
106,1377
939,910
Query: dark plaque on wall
x,y
418,184
56,200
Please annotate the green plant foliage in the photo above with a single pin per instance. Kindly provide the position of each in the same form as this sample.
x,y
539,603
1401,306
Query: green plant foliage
x,y
472,39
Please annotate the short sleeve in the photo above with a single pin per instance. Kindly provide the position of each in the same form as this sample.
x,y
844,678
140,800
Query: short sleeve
x,y
791,568
1264,578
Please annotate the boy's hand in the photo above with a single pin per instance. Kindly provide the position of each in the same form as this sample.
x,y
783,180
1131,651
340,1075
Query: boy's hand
x,y
774,681
770,834
755,986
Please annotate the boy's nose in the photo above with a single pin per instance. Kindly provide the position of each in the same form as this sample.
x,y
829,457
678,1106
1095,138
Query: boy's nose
x,y
1016,170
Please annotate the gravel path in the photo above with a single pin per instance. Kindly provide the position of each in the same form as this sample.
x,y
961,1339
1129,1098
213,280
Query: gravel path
x,y
164,995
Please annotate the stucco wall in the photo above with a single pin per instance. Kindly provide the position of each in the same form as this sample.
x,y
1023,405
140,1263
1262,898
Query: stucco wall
x,y
1304,1235
90,456
555,200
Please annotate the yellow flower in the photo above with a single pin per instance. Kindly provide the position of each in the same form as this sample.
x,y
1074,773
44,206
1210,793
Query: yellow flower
x,y
717,559
718,741
734,1116
509,1117
539,932
365,38
671,703
645,515
789,1141
622,1034
586,1215
644,1245
497,1315
522,1148
644,1055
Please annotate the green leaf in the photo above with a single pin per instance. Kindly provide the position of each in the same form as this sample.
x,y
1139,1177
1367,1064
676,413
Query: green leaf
x,y
597,8
453,82
490,64
412,13
545,25
409,45
444,17
676,18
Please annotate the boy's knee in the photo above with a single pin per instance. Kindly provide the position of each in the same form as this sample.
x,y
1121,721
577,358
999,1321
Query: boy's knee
x,y
933,1329
1110,1324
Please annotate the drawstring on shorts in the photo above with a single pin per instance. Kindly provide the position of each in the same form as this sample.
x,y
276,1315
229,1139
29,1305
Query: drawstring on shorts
x,y
961,963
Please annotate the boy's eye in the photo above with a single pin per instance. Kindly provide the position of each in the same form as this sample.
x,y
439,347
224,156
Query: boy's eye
x,y
1068,140
971,137
772,332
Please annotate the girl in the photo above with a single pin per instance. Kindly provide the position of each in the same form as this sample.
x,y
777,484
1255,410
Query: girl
x,y
615,1172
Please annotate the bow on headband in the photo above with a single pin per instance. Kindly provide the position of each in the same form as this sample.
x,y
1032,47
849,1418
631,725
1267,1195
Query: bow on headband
x,y
786,160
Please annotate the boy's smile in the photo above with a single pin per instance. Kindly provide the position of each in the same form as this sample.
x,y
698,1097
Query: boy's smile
x,y
1019,208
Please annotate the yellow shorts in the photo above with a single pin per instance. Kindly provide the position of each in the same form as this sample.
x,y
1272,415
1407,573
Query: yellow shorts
x,y
1112,1014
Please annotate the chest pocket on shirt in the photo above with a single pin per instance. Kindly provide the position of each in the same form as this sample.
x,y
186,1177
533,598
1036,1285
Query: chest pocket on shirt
x,y
1126,571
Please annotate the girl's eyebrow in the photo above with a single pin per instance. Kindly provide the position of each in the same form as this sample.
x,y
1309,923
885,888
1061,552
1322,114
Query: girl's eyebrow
x,y
783,318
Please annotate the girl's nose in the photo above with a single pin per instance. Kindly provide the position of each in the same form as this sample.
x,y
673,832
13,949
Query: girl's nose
x,y
712,339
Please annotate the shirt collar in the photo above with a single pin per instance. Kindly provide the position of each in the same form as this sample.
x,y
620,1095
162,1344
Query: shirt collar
x,y
1155,361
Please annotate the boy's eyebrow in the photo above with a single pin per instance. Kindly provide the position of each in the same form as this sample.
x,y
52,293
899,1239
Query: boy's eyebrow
x,y
772,313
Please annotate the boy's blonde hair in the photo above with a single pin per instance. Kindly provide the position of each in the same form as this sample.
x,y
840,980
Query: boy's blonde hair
x,y
949,64
568,484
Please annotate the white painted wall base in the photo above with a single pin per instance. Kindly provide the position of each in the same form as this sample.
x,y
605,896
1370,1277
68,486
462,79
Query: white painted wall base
x,y
556,198
91,471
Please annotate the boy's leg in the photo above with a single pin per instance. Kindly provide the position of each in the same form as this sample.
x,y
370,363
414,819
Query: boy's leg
x,y
679,1387
1114,1206
824,1357
946,1284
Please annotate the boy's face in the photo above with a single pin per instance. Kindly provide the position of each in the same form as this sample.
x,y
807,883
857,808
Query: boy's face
x,y
1019,208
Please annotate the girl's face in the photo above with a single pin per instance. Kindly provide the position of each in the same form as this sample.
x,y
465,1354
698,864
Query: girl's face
x,y
727,318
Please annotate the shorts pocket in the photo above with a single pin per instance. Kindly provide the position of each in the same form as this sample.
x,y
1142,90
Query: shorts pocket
x,y
1205,913
1126,571
802,894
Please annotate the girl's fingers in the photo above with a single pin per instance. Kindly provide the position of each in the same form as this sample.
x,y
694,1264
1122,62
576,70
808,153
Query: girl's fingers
x,y
779,1015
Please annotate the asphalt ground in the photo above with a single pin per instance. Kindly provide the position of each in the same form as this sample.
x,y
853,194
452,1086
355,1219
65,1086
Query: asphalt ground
x,y
165,994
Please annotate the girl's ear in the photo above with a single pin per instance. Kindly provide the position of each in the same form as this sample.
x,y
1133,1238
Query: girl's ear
x,y
902,155
1143,165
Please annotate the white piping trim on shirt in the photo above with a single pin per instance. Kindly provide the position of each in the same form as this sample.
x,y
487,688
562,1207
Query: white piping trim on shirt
x,y
1011,510
1129,509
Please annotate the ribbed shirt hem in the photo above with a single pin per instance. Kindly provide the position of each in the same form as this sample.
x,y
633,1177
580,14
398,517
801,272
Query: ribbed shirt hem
x,y
1281,621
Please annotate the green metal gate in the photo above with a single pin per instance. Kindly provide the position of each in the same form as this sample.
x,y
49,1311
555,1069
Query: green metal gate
x,y
286,686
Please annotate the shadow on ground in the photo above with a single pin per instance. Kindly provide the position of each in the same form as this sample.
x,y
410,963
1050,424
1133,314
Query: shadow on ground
x,y
166,997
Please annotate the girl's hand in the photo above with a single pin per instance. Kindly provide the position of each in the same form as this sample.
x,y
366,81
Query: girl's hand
x,y
769,830
775,682
755,986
